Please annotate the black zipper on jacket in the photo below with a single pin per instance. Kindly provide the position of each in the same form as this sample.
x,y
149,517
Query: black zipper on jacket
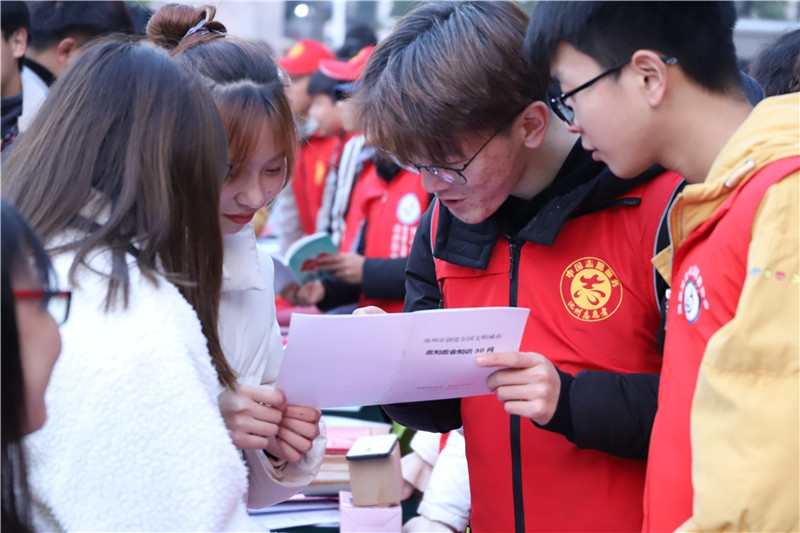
x,y
515,247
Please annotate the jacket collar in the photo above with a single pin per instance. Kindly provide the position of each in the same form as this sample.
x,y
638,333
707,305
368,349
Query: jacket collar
x,y
241,270
45,75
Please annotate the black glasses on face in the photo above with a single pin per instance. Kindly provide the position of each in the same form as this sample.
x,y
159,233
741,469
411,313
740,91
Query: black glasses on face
x,y
55,302
565,111
454,176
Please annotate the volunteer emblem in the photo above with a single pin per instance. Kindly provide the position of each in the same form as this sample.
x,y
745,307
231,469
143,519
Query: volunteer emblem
x,y
692,295
590,289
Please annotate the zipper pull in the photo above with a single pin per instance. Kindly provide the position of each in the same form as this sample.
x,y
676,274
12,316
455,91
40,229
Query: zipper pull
x,y
512,247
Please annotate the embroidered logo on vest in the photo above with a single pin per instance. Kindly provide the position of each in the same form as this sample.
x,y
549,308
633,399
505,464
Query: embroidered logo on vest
x,y
692,296
590,289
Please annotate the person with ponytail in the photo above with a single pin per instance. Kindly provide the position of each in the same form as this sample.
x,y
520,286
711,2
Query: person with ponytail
x,y
283,445
120,175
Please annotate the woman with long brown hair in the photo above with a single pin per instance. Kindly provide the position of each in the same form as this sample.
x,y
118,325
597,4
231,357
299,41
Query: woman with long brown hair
x,y
120,175
283,445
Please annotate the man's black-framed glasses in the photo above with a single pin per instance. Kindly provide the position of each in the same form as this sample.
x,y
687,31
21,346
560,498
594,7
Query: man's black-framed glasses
x,y
56,303
565,111
454,176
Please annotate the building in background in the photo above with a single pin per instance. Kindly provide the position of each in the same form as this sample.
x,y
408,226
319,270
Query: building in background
x,y
280,23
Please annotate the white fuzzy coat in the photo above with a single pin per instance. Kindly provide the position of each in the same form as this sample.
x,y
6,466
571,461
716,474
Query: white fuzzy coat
x,y
134,439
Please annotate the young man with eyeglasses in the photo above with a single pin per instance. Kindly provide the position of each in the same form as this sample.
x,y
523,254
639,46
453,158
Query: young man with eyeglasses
x,y
524,217
724,449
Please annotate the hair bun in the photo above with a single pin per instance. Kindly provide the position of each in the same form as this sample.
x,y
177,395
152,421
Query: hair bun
x,y
169,25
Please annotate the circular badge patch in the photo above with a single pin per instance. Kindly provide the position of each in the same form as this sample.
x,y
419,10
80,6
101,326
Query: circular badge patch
x,y
409,209
692,296
590,289
691,302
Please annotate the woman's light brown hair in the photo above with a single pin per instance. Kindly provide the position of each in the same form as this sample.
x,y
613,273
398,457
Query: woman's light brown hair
x,y
129,150
243,77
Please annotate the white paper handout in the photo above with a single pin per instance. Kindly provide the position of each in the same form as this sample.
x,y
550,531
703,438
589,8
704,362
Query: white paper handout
x,y
341,360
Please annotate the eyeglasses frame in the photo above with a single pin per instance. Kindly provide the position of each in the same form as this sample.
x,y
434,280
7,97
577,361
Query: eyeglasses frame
x,y
432,169
45,295
559,105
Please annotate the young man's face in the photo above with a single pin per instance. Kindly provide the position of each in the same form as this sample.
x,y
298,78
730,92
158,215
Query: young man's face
x,y
11,50
491,178
610,115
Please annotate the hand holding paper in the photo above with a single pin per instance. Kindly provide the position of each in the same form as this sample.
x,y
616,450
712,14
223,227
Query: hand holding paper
x,y
298,429
252,414
529,388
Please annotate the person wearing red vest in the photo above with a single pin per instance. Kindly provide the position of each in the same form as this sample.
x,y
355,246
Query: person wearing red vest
x,y
385,209
724,451
372,211
383,212
524,217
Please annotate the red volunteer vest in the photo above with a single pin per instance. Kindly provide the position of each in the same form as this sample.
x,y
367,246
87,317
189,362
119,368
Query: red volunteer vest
x,y
593,306
708,272
391,211
314,159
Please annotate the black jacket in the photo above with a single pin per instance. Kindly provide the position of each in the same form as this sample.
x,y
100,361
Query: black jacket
x,y
621,423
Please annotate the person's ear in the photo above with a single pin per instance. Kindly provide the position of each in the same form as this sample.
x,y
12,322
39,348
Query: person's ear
x,y
652,73
533,124
65,50
19,42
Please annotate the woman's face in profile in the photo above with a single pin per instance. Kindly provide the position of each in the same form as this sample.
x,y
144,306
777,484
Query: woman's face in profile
x,y
39,346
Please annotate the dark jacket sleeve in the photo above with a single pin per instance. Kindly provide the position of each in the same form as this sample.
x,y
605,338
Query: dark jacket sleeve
x,y
620,424
384,278
422,292
337,293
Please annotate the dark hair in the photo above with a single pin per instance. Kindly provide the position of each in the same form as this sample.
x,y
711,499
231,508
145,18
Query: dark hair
x,y
19,246
129,149
698,34
446,70
356,38
53,21
13,16
777,66
245,82
320,83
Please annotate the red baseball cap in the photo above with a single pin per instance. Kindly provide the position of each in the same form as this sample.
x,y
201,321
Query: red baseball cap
x,y
304,57
348,70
